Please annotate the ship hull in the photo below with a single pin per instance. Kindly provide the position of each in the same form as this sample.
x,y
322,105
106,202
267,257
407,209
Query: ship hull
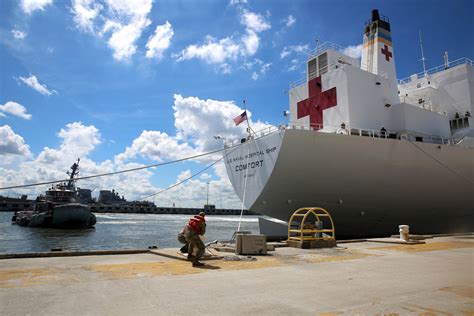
x,y
369,185
73,215
66,216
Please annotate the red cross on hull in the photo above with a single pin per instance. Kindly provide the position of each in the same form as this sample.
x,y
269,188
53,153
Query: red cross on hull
x,y
316,102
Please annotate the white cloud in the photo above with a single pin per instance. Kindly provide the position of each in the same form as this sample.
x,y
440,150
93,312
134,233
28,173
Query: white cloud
x,y
120,22
160,41
221,52
29,6
123,39
251,42
197,121
234,2
298,49
259,67
205,177
33,82
129,19
254,21
158,146
11,143
354,51
18,34
213,52
290,20
15,109
85,12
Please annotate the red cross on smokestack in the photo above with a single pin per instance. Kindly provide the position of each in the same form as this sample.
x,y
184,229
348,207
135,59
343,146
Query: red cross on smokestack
x,y
387,53
316,102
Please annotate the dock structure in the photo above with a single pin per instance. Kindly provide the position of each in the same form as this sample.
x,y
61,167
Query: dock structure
x,y
355,278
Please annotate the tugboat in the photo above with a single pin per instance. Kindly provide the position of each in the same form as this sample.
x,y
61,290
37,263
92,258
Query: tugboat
x,y
58,208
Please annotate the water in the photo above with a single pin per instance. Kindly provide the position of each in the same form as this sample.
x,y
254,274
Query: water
x,y
116,231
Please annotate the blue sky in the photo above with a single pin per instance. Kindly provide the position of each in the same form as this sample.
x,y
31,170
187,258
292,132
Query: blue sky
x,y
124,83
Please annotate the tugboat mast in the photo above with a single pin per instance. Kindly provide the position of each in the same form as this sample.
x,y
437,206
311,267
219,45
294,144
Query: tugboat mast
x,y
72,174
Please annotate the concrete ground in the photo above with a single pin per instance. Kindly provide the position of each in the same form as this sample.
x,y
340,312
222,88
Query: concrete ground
x,y
364,278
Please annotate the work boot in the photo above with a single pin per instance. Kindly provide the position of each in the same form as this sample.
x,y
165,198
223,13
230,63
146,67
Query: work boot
x,y
198,264
191,257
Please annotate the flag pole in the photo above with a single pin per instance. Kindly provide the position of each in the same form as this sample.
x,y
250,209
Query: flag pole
x,y
247,119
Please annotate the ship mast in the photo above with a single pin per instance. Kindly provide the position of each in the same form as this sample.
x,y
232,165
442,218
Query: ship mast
x,y
74,171
423,59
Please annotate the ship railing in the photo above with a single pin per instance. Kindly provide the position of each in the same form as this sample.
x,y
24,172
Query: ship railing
x,y
451,64
313,74
345,129
253,135
324,47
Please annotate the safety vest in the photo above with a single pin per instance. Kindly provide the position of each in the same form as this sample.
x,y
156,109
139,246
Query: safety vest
x,y
195,224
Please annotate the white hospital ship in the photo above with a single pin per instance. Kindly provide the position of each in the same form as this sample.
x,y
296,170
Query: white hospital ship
x,y
375,151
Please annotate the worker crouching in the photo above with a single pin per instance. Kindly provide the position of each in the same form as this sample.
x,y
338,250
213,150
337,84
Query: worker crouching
x,y
196,227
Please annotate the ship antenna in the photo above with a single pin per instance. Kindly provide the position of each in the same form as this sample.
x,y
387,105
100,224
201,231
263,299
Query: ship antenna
x,y
422,54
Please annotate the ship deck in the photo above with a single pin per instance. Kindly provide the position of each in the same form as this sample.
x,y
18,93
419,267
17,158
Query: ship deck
x,y
366,277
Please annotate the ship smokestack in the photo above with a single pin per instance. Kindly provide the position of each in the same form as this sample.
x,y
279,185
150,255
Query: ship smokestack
x,y
377,52
375,15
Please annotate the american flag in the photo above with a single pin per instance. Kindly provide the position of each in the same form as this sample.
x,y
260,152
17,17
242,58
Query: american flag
x,y
240,118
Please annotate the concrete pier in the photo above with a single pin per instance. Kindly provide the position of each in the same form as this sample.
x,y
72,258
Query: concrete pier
x,y
360,278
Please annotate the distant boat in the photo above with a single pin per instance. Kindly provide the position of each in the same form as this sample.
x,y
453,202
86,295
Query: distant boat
x,y
58,208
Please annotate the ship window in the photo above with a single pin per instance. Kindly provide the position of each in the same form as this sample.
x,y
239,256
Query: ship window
x,y
419,139
311,69
322,64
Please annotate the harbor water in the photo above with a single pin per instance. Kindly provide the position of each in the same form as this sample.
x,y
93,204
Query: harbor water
x,y
116,231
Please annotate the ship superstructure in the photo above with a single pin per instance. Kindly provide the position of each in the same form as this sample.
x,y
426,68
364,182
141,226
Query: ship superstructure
x,y
375,151
58,208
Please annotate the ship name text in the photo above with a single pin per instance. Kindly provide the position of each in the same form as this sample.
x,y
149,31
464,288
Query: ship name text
x,y
250,165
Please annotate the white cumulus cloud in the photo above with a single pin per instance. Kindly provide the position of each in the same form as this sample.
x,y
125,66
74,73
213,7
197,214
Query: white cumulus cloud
x,y
212,52
229,49
251,42
160,41
33,82
121,23
354,51
254,21
157,146
18,34
29,6
85,12
12,143
16,109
